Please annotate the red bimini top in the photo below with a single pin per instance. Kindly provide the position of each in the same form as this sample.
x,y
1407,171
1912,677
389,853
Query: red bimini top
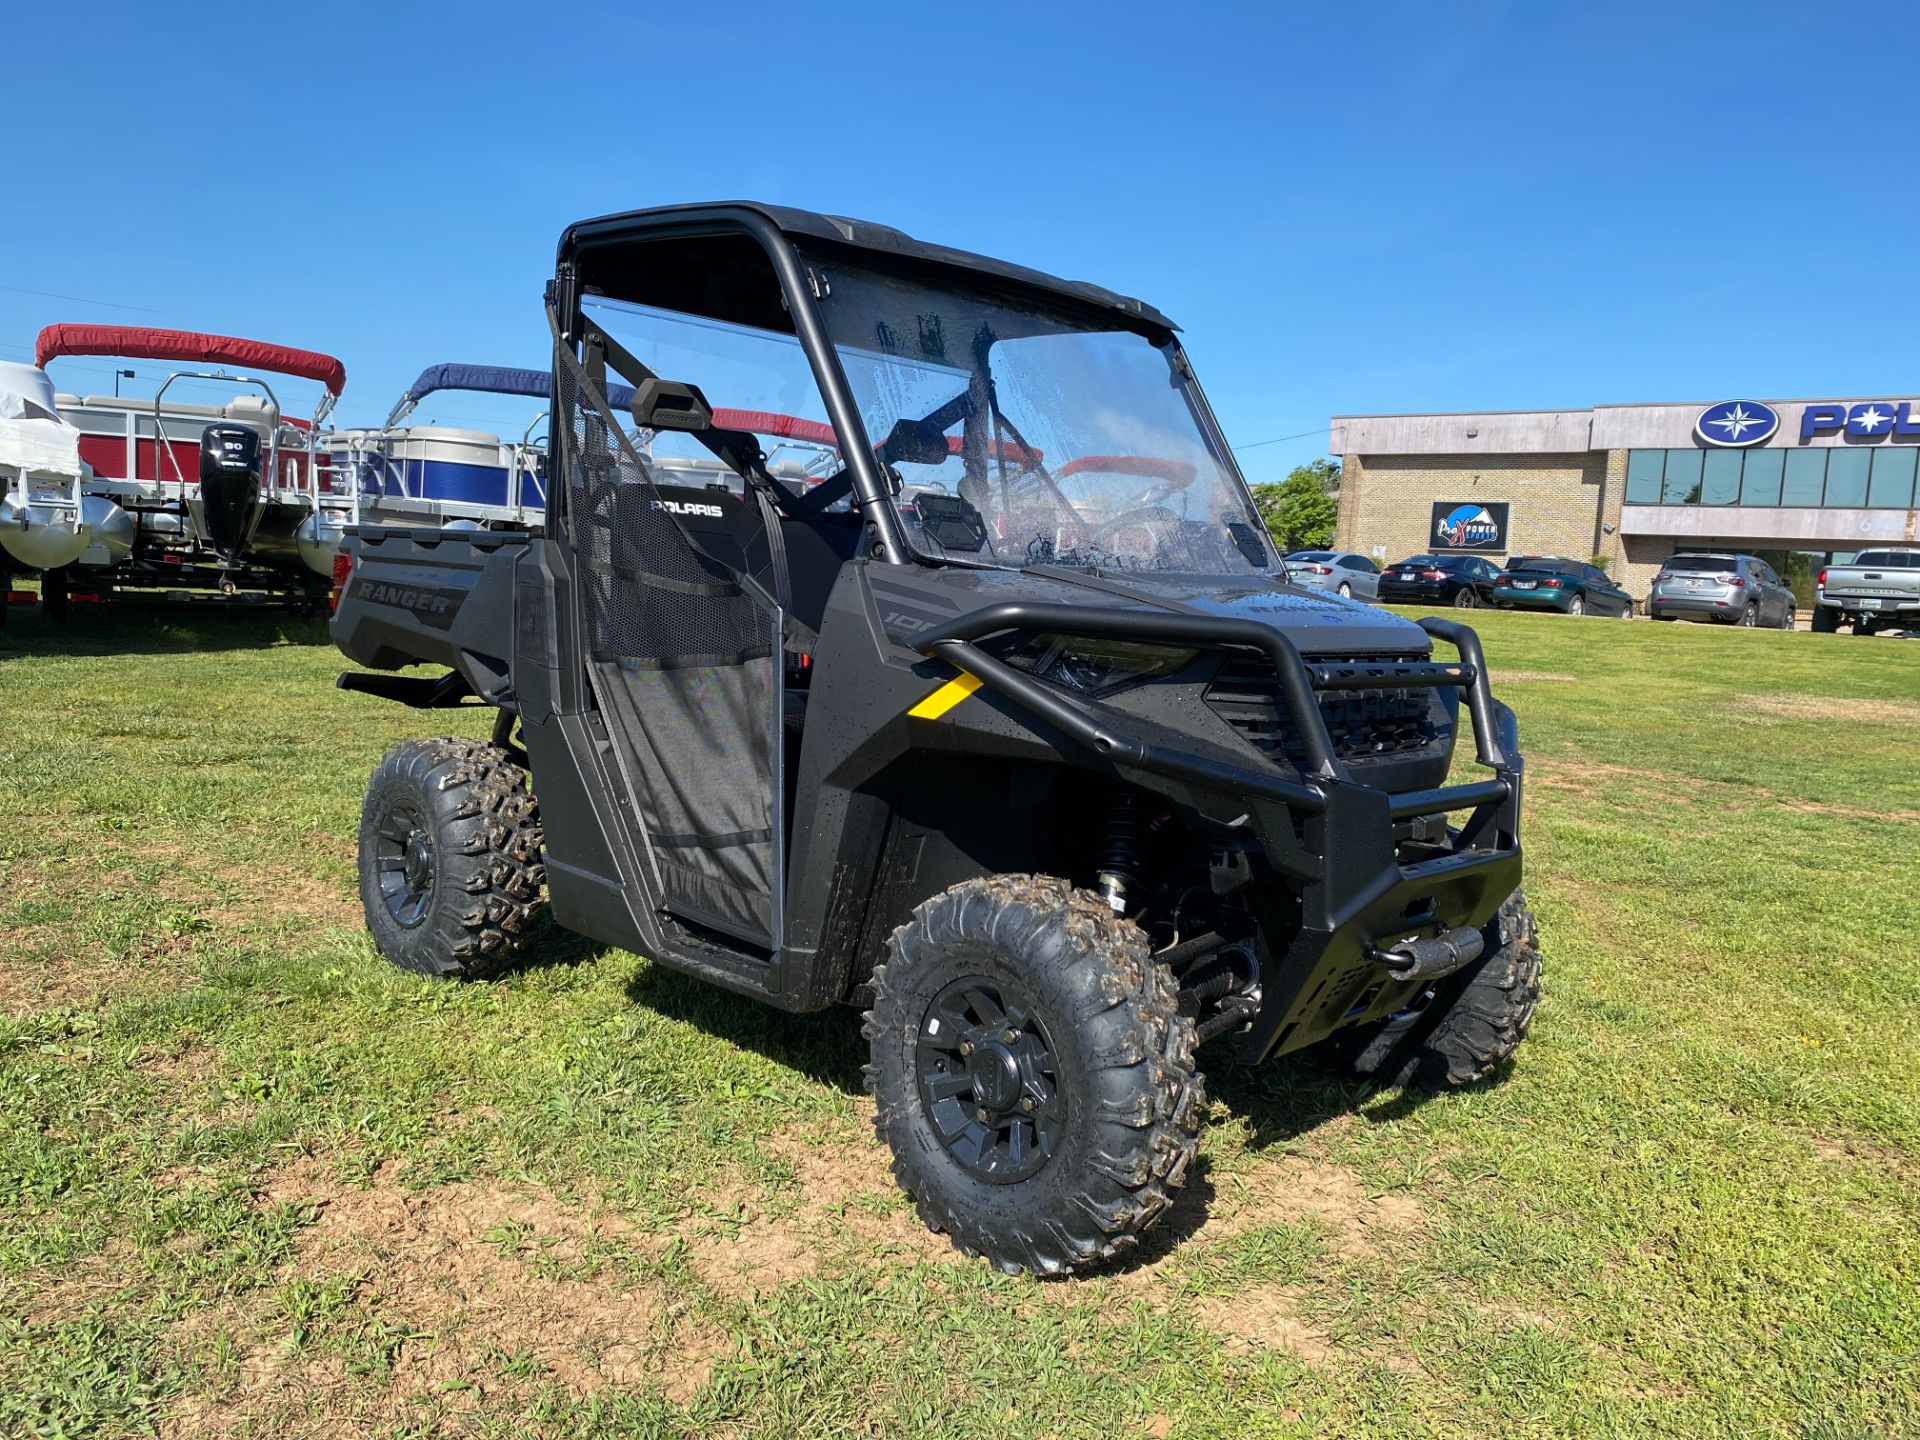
x,y
138,342
790,427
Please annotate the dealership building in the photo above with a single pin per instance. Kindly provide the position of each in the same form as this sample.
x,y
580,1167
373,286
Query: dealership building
x,y
1797,482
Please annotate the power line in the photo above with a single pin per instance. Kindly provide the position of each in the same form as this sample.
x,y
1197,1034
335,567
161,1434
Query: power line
x,y
81,300
1318,429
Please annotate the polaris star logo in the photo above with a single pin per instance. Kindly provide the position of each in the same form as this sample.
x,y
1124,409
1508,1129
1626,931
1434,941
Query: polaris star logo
x,y
1737,423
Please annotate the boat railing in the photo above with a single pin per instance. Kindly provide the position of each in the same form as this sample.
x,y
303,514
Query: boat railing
x,y
528,466
374,466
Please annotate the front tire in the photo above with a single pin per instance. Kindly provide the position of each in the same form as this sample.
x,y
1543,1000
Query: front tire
x,y
1790,618
450,859
1464,1028
1032,1074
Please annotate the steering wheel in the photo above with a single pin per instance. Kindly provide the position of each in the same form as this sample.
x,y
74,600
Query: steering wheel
x,y
1140,515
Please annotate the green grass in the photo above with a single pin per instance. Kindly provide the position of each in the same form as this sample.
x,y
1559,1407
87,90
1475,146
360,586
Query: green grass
x,y
254,1182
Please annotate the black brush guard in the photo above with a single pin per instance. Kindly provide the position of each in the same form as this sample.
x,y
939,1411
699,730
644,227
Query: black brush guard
x,y
1321,965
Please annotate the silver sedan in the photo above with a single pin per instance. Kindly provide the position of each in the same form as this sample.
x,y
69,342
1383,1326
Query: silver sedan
x,y
1341,571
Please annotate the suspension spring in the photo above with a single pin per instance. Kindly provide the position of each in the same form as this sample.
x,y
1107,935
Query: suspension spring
x,y
1120,855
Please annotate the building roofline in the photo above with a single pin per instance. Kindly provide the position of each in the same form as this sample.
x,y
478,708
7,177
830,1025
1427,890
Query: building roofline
x,y
1620,405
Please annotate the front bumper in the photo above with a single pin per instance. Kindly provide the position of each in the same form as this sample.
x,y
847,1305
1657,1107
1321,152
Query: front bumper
x,y
1343,884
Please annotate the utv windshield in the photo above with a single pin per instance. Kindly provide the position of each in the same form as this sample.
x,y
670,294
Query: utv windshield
x,y
1022,433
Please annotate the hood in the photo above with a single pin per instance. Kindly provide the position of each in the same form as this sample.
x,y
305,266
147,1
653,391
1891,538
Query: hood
x,y
1318,623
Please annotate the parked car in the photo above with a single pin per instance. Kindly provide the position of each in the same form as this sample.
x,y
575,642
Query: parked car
x,y
1880,590
1729,589
1553,582
1341,571
1462,580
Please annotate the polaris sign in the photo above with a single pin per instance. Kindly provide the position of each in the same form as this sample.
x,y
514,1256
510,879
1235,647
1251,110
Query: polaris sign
x,y
1468,525
1737,423
1869,420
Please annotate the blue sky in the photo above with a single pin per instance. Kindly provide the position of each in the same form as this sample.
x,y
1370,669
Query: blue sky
x,y
1348,208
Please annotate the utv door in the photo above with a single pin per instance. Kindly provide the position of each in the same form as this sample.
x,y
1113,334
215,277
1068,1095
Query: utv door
x,y
682,654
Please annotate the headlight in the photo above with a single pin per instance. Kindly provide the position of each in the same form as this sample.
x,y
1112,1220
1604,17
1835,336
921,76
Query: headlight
x,y
1094,667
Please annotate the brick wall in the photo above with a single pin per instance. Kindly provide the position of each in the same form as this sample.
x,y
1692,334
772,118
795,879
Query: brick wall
x,y
1559,501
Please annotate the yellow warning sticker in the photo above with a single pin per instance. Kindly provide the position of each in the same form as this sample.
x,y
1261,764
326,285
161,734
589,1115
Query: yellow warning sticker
x,y
945,698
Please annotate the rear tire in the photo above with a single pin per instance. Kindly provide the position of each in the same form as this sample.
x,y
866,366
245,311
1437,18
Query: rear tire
x,y
450,859
1750,617
1826,620
1470,1024
1055,1150
1576,606
1466,599
1346,591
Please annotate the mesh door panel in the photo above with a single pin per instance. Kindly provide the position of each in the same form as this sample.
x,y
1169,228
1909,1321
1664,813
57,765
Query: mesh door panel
x,y
684,664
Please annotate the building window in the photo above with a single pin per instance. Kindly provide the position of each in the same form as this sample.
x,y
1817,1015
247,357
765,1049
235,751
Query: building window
x,y
1720,477
1847,476
1890,485
1682,485
1761,483
1806,475
1880,477
1643,476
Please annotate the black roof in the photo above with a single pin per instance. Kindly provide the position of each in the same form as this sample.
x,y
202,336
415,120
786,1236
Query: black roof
x,y
859,235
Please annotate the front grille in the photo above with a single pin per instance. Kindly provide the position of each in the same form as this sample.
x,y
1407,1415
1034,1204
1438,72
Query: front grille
x,y
1364,724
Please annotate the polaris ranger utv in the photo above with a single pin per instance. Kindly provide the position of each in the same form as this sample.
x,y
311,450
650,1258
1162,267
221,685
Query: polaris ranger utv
x,y
996,716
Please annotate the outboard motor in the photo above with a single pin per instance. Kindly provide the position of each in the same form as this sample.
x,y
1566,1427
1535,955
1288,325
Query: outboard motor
x,y
230,476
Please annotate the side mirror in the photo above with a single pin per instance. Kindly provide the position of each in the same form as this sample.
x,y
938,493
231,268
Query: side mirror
x,y
670,405
915,442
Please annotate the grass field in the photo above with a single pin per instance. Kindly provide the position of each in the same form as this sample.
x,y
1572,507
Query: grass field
x,y
253,1182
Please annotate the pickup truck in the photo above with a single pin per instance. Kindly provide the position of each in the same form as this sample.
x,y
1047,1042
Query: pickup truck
x,y
1880,590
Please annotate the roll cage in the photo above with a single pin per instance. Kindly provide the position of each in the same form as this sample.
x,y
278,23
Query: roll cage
x,y
748,246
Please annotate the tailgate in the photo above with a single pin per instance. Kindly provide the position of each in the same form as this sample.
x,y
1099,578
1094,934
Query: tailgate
x,y
420,596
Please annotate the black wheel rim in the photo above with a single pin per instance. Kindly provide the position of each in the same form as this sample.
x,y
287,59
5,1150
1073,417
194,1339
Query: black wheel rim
x,y
988,1079
403,856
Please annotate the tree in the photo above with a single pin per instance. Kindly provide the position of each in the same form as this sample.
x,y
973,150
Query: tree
x,y
1301,511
